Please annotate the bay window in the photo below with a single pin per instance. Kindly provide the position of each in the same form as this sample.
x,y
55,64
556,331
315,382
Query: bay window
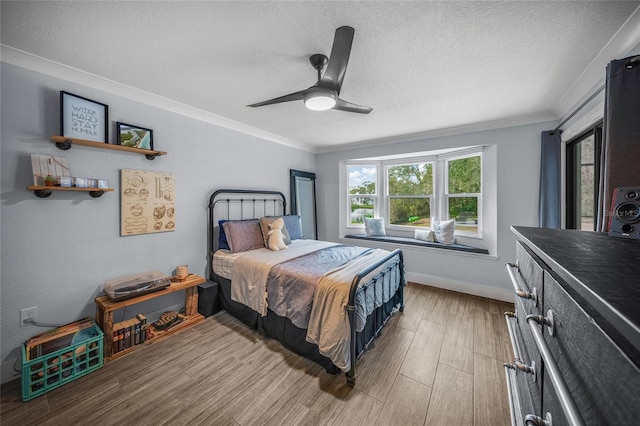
x,y
408,192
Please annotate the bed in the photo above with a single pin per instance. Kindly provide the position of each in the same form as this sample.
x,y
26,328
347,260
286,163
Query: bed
x,y
325,301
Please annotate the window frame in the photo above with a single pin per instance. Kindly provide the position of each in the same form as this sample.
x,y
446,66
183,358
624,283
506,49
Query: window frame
x,y
448,196
572,166
438,200
387,197
375,197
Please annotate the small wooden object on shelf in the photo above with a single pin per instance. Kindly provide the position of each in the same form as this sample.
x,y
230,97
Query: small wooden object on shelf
x,y
182,272
105,307
64,143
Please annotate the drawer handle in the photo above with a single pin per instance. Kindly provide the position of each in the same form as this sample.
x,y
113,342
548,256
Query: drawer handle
x,y
514,397
532,420
564,396
512,334
529,369
516,285
526,295
547,321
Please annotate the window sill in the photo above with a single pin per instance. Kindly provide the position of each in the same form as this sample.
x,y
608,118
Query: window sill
x,y
419,243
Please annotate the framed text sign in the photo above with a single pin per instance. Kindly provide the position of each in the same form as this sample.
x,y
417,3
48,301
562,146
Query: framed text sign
x,y
83,118
147,201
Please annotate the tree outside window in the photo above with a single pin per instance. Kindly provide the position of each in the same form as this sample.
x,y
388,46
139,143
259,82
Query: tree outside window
x,y
409,192
410,189
362,192
464,187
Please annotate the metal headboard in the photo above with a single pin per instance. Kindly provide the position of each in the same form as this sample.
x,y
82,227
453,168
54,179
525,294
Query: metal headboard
x,y
235,204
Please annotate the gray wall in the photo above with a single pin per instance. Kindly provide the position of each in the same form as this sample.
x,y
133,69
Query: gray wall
x,y
513,164
57,252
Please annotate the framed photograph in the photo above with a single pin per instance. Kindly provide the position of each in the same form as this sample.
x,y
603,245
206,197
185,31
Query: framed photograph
x,y
134,136
83,118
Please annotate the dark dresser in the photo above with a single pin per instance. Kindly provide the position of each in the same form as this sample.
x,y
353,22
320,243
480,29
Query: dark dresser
x,y
575,329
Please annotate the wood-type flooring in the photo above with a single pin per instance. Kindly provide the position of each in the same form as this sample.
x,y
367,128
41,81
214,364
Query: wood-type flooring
x,y
437,363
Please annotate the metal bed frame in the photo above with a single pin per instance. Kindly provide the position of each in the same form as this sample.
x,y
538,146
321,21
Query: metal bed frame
x,y
278,201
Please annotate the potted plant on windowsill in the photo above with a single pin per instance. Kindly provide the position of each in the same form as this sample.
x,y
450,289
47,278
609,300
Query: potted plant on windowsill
x,y
49,180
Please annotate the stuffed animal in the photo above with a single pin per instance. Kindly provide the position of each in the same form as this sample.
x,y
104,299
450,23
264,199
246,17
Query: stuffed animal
x,y
276,237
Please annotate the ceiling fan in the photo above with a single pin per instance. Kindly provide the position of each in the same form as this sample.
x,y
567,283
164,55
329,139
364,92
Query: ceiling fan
x,y
325,93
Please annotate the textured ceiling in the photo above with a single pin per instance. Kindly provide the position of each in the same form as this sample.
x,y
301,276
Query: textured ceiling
x,y
422,66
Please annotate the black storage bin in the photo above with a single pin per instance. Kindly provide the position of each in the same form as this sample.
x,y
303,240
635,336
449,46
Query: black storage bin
x,y
208,298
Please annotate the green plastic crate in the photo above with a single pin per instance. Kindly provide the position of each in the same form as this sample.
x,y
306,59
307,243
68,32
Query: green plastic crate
x,y
50,371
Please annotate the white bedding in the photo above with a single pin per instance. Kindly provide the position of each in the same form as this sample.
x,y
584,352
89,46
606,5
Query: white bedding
x,y
253,267
223,263
223,259
328,326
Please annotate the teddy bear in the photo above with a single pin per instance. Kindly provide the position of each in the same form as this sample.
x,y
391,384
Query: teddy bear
x,y
276,237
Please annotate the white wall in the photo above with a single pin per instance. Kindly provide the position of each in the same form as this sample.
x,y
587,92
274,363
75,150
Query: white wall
x,y
513,164
57,252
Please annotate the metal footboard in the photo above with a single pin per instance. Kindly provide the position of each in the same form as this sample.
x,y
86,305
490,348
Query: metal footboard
x,y
356,288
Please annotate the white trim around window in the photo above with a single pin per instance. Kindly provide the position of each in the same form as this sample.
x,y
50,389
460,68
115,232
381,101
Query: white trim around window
x,y
438,200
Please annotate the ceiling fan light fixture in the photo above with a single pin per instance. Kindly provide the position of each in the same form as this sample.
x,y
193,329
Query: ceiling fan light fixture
x,y
320,100
324,94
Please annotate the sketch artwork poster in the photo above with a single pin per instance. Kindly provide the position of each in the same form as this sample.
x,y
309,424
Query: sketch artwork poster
x,y
147,202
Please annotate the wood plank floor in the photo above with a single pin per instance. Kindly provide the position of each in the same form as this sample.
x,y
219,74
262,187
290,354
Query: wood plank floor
x,y
437,363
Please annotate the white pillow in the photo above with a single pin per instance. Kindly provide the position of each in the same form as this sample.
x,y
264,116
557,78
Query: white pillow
x,y
374,227
443,230
423,235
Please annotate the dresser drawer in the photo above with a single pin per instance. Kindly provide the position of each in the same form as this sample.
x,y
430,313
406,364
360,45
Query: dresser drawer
x,y
603,382
529,266
530,356
529,279
520,404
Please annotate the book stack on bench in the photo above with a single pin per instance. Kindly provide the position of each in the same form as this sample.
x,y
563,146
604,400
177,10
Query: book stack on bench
x,y
129,333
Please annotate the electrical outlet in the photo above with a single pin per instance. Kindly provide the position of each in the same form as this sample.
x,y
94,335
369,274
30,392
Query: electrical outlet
x,y
30,314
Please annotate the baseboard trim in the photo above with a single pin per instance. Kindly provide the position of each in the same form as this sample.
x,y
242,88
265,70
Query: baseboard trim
x,y
476,289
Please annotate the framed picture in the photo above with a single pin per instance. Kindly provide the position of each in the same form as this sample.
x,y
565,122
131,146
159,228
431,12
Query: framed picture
x,y
147,202
83,118
134,136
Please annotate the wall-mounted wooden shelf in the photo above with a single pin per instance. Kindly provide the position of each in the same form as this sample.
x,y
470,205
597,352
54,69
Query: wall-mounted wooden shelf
x,y
64,143
45,191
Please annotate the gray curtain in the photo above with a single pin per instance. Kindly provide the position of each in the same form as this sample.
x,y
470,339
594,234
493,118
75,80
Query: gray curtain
x,y
549,211
620,158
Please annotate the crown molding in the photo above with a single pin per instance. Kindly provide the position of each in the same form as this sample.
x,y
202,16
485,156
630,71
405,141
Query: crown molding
x,y
620,45
450,131
41,65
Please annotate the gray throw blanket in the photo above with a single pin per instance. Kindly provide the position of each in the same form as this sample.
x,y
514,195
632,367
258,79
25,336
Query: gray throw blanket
x,y
309,284
329,326
291,285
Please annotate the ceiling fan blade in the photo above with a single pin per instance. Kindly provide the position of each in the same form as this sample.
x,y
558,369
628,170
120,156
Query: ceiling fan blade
x,y
337,66
297,96
348,106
